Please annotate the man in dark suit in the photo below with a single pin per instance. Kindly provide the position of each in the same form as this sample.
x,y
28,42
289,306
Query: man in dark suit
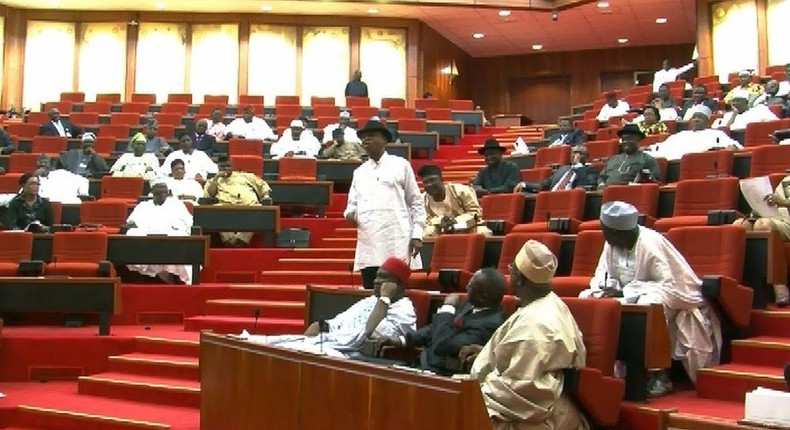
x,y
201,140
59,127
699,97
567,134
458,323
84,161
576,174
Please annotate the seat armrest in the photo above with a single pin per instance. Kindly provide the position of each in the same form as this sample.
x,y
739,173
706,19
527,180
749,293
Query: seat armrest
x,y
196,230
560,225
31,268
449,279
204,201
722,216
733,301
598,396
105,268
497,226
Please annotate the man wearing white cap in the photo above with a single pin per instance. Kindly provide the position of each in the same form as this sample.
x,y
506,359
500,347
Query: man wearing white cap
x,y
297,143
698,138
745,88
349,134
741,115
84,161
520,369
641,266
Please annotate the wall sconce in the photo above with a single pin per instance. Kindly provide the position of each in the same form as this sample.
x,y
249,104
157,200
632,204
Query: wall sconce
x,y
451,71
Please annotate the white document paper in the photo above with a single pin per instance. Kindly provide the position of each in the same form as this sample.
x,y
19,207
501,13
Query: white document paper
x,y
754,191
768,406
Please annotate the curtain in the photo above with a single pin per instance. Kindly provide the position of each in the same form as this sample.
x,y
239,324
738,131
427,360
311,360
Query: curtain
x,y
778,32
214,61
49,62
382,60
102,59
734,37
271,69
161,59
325,63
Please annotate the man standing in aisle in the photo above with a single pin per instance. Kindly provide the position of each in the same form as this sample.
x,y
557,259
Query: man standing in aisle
x,y
385,204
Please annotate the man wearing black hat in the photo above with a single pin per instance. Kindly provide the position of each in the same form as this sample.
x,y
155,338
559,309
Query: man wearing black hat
x,y
385,204
450,207
631,164
498,176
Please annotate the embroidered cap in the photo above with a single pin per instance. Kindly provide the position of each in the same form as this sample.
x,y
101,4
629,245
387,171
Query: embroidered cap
x,y
619,215
297,123
398,268
536,262
702,109
88,138
345,115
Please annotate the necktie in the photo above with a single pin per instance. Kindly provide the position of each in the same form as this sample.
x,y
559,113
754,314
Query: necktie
x,y
564,181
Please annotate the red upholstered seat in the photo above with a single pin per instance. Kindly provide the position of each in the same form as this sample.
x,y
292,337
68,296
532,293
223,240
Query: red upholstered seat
x,y
166,131
37,118
118,131
57,211
389,103
168,118
247,99
140,108
769,159
17,246
287,113
652,139
503,207
50,145
105,215
536,175
245,147
174,107
321,101
99,106
64,106
82,119
759,133
9,183
352,101
555,204
560,155
364,112
602,149
586,253
718,250
463,252
426,103
513,243
207,107
125,118
456,104
588,125
298,169
412,124
286,100
701,165
323,121
104,145
75,97
643,196
695,197
20,162
127,190
144,98
78,254
422,305
179,98
401,112
329,110
22,129
217,99
111,98
247,163
438,114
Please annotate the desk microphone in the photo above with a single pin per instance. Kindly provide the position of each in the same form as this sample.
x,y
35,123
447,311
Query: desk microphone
x,y
548,221
716,168
256,313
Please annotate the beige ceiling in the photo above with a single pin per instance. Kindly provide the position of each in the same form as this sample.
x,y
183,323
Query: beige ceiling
x,y
579,27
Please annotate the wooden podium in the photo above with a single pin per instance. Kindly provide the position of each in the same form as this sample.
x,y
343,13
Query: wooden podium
x,y
250,387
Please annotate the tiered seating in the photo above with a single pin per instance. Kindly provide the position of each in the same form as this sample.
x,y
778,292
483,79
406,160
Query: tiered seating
x,y
694,198
644,197
80,254
567,204
460,255
17,246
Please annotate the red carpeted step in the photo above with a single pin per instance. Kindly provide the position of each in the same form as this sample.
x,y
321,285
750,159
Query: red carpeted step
x,y
289,293
142,388
339,242
327,252
164,366
762,351
771,322
230,324
732,381
246,308
315,263
166,346
349,232
39,418
327,277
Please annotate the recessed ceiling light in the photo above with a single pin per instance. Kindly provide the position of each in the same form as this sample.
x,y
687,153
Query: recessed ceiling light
x,y
373,11
661,20
602,4
504,13
622,40
537,47
478,35
266,8
160,5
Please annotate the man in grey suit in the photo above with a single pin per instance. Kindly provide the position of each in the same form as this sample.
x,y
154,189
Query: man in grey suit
x,y
567,134
576,174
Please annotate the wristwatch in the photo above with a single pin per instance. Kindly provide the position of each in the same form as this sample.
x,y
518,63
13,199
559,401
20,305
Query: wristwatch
x,y
386,300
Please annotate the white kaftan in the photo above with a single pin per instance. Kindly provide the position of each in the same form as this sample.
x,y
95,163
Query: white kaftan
x,y
347,330
520,369
216,129
128,165
759,113
349,134
171,218
196,163
690,141
607,111
662,275
663,76
63,186
258,128
388,207
307,143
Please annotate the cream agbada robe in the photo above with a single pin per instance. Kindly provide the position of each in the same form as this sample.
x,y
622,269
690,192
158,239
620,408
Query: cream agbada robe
x,y
662,275
388,207
520,369
460,203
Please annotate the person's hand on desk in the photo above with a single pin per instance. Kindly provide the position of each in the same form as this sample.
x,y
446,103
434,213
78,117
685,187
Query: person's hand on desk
x,y
469,352
313,329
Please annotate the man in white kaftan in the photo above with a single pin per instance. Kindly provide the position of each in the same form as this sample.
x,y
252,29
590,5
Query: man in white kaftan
x,y
698,138
386,313
520,369
196,163
349,134
250,126
612,107
216,126
297,143
669,74
136,164
59,185
162,215
181,187
385,203
643,267
742,115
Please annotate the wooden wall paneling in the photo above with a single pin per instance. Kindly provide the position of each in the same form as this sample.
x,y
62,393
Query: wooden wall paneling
x,y
132,32
762,35
354,34
244,56
75,70
435,53
413,65
541,99
187,60
13,57
622,81
704,39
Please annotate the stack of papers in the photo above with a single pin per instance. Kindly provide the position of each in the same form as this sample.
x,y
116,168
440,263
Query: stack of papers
x,y
766,406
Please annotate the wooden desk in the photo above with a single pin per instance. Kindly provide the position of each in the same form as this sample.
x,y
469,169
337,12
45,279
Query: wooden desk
x,y
217,218
318,193
427,140
249,387
508,120
526,161
338,171
472,118
63,294
447,129
644,344
122,250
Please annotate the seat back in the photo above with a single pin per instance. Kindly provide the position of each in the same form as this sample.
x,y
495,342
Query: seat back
x,y
111,98
598,149
457,104
286,100
698,196
458,251
643,196
513,242
599,322
179,98
401,112
321,101
38,118
64,106
50,145
168,118
247,163
326,110
438,114
769,159
104,145
426,103
84,118
144,98
422,305
247,99
140,108
298,169
759,133
700,165
166,131
589,125
711,250
20,162
57,211
505,207
125,118
99,106
364,112
536,175
606,133
111,214
412,124
174,107
586,252
352,101
75,97
117,131
79,247
389,103
122,188
288,112
560,154
559,204
16,246
9,183
205,109
217,99
23,130
245,147
323,121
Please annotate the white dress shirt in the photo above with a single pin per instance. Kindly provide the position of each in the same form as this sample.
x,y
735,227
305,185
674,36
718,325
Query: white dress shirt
x,y
663,76
196,163
184,187
258,128
216,129
607,111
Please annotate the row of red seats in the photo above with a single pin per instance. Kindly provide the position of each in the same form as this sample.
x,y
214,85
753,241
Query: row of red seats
x,y
77,254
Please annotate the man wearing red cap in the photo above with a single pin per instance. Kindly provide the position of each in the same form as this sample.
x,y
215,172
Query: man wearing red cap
x,y
386,313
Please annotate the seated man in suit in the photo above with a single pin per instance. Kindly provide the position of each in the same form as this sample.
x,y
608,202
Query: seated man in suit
x,y
386,313
58,126
449,207
201,139
498,176
458,323
576,174
84,161
567,134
